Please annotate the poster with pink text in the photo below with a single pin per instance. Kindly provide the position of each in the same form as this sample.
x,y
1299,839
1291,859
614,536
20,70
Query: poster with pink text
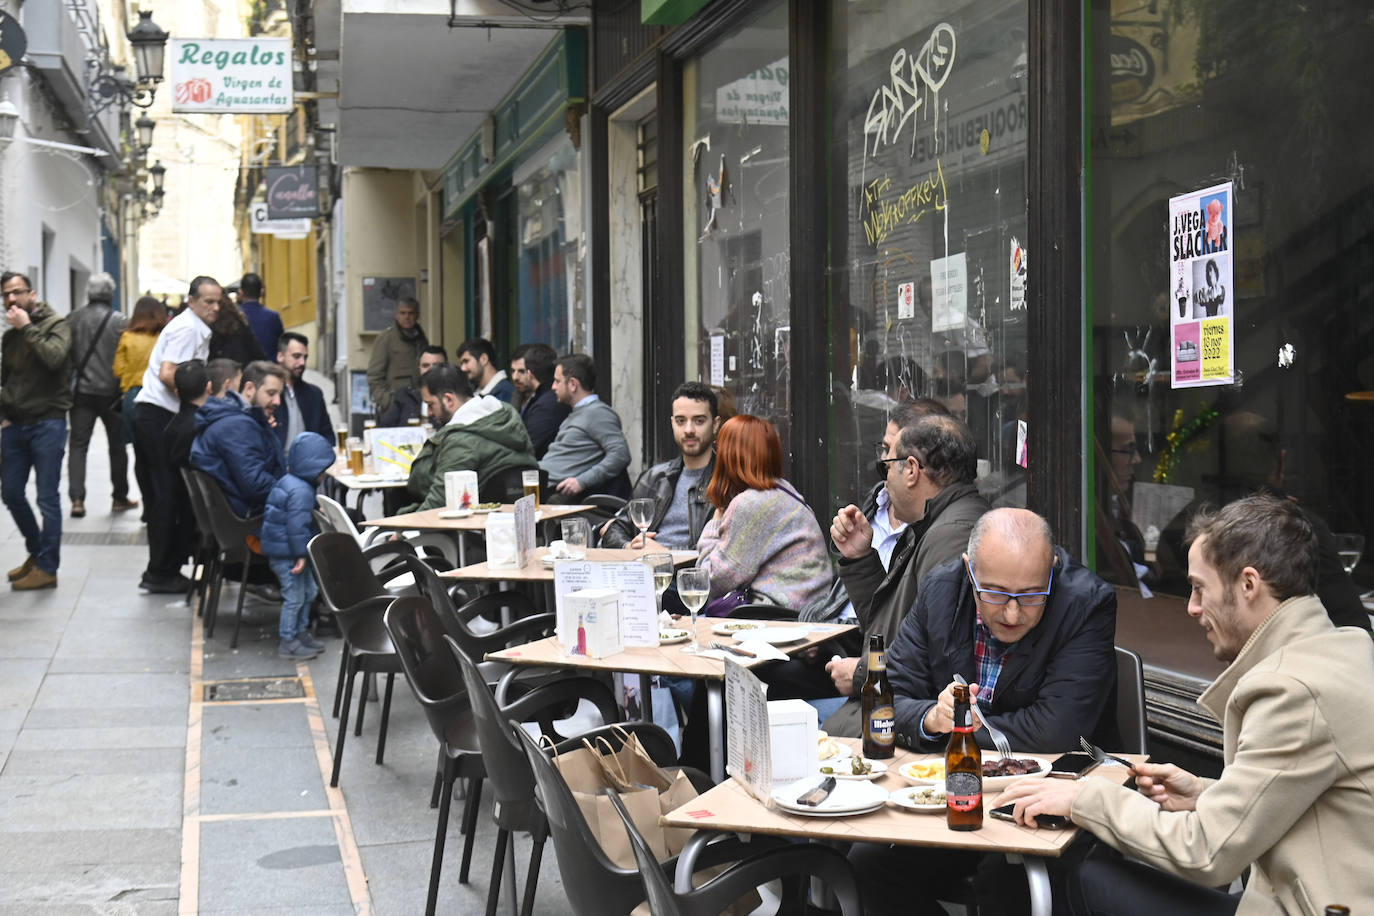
x,y
1202,295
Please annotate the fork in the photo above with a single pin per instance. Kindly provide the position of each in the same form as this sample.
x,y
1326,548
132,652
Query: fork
x,y
999,739
1102,756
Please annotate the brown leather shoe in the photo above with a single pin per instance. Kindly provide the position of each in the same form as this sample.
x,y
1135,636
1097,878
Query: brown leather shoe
x,y
78,508
36,579
124,505
22,570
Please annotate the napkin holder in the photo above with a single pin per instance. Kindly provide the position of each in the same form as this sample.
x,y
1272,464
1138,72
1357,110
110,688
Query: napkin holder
x,y
460,489
589,622
501,542
792,742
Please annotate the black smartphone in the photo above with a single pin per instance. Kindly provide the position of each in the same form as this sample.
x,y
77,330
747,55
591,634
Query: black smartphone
x,y
1072,766
1048,821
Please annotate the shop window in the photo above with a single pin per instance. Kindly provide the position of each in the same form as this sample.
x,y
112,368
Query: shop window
x,y
928,261
737,217
1231,234
549,193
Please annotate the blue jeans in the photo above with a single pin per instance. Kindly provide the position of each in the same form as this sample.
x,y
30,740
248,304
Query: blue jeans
x,y
297,594
37,447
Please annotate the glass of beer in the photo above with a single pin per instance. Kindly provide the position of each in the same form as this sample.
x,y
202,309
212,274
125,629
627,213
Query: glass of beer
x,y
341,433
413,421
355,455
530,480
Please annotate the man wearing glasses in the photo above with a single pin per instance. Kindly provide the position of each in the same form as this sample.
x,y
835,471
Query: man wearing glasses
x,y
1031,630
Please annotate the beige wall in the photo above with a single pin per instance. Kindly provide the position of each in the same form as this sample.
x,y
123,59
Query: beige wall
x,y
379,240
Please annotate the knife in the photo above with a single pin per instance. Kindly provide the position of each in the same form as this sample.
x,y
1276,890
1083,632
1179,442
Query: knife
x,y
734,649
815,796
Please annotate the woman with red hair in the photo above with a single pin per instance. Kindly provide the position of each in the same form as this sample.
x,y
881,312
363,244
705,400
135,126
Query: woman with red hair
x,y
763,536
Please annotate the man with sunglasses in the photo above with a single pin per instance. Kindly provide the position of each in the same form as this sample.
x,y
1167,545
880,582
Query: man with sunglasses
x,y
1032,631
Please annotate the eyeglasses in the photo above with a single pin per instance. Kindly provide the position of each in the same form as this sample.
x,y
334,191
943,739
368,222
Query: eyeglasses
x,y
17,292
1024,599
1131,449
880,466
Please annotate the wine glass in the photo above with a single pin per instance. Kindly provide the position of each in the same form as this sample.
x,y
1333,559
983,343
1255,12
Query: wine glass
x,y
642,514
1349,547
693,587
662,565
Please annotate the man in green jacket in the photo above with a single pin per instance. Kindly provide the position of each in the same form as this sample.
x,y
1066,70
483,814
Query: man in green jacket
x,y
35,395
474,433
396,356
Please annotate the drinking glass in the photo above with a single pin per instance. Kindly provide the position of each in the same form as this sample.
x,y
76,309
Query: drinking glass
x,y
693,587
642,514
1349,547
575,531
355,455
662,565
529,481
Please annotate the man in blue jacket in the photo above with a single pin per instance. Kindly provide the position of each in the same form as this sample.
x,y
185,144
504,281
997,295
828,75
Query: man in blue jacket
x,y
236,446
265,323
302,406
287,527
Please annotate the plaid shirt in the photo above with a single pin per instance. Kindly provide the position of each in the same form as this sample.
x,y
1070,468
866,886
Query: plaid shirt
x,y
989,654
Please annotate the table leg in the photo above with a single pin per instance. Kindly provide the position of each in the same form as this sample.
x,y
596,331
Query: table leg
x,y
687,860
715,727
646,697
1038,881
508,878
462,549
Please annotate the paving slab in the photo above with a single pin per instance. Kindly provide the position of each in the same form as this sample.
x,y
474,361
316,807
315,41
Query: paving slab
x,y
113,690
35,849
263,725
245,780
108,717
92,790
125,888
252,865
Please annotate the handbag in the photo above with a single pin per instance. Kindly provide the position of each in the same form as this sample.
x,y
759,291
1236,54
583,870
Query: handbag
x,y
722,605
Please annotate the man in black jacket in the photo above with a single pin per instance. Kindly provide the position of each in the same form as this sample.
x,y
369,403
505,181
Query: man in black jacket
x,y
677,486
531,372
302,407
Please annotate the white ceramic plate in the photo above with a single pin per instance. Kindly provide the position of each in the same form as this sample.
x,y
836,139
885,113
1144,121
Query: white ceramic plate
x,y
998,783
780,636
549,559
731,627
907,772
667,637
844,752
853,797
844,769
906,799
455,513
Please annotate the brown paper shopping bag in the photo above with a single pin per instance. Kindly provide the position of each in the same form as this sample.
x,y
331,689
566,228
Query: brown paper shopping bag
x,y
631,768
581,769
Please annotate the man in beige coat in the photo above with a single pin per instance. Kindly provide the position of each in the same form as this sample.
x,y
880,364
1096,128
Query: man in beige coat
x,y
1296,799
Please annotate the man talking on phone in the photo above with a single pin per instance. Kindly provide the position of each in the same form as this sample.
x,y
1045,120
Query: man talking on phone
x,y
1296,798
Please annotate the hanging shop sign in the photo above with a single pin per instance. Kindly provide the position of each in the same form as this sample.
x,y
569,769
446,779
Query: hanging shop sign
x,y
262,224
949,292
13,42
231,75
292,192
1202,295
756,98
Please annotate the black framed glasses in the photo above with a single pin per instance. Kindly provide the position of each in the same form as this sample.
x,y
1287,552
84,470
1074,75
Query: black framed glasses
x,y
1024,599
880,466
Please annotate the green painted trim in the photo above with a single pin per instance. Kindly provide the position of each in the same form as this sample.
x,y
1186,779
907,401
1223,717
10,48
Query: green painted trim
x,y
555,81
669,12
1090,414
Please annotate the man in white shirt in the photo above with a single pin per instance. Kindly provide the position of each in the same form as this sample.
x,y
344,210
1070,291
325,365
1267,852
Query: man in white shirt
x,y
187,336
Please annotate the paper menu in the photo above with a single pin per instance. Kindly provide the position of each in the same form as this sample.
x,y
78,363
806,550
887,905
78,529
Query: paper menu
x,y
525,515
750,758
634,581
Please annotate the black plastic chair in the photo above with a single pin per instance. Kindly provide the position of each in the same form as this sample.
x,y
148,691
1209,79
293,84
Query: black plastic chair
x,y
794,863
206,558
432,672
527,625
763,611
507,769
509,486
595,885
1130,702
230,533
358,600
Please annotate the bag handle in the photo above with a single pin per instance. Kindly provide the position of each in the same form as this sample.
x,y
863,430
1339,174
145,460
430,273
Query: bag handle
x,y
611,766
81,366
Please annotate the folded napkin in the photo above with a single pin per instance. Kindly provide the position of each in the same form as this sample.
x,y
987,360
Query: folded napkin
x,y
765,652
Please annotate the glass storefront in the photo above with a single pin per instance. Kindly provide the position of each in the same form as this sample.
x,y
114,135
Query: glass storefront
x,y
928,261
551,307
737,217
1231,250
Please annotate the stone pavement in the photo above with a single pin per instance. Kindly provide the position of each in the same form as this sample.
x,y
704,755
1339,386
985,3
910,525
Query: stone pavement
x,y
124,791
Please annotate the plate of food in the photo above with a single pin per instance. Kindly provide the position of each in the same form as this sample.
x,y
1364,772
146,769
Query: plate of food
x,y
845,799
483,508
923,772
920,799
854,768
779,636
667,636
732,627
1000,772
828,750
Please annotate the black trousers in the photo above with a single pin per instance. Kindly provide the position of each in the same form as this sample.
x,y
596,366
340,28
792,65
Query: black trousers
x,y
1105,884
86,409
167,545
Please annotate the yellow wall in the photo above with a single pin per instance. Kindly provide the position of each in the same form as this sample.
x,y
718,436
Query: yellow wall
x,y
287,267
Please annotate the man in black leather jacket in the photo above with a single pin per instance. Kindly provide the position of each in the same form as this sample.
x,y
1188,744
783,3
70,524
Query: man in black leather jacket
x,y
677,486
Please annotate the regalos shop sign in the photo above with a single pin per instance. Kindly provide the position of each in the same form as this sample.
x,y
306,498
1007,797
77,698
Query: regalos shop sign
x,y
231,75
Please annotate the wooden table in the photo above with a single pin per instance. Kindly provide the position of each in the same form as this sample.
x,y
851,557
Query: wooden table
x,y
669,660
537,571
730,808
433,520
342,476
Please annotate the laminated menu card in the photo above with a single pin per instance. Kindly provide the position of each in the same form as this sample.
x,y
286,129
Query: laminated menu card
x,y
750,756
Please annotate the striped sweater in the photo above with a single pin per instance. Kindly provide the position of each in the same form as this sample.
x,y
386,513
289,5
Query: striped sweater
x,y
769,541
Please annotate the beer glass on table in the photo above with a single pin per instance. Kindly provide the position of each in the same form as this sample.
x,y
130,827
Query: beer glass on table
x,y
530,481
341,433
355,455
694,587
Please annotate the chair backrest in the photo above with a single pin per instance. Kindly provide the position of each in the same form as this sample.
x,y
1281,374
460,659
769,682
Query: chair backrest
x,y
763,611
342,571
662,900
434,588
509,485
227,528
595,886
198,509
336,517
507,769
1130,701
431,670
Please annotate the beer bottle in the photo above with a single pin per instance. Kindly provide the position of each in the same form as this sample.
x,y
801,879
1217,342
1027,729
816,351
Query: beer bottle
x,y
876,700
963,769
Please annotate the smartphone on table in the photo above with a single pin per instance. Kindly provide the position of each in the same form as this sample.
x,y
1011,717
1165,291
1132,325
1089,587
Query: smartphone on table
x,y
1072,766
1048,821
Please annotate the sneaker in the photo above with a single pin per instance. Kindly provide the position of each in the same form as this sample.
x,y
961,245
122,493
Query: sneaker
x,y
124,505
36,579
310,642
22,570
174,585
295,649
78,508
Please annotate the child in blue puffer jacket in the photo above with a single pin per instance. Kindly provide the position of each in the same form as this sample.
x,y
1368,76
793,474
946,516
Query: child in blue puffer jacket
x,y
287,527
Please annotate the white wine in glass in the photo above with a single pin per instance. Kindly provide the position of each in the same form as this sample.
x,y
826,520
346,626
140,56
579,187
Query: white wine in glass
x,y
693,587
662,566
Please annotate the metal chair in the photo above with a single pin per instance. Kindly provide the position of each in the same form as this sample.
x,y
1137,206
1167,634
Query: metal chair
x,y
358,601
206,557
794,863
1130,702
230,533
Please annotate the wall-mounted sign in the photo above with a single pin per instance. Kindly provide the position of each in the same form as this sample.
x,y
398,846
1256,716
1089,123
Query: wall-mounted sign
x,y
292,192
285,228
230,75
13,42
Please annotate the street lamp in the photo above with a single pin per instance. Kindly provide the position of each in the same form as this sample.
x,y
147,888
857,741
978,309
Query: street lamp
x,y
110,84
144,126
159,173
150,44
